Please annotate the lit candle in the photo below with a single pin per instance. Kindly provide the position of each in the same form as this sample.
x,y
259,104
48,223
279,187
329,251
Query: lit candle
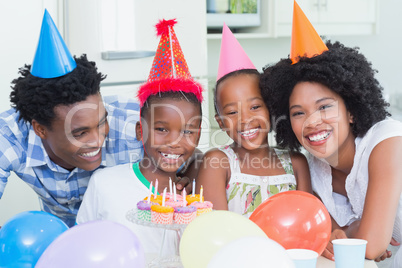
x,y
201,191
174,192
170,186
163,197
150,193
156,188
193,192
184,196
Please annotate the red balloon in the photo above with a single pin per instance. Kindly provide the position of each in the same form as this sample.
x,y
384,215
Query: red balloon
x,y
295,219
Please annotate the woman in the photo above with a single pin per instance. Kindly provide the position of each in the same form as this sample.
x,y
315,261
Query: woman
x,y
335,107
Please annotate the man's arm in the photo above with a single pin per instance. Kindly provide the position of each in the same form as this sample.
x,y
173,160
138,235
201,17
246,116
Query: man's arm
x,y
9,156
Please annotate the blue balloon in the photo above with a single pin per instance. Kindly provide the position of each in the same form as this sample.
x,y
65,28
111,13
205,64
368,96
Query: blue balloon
x,y
24,237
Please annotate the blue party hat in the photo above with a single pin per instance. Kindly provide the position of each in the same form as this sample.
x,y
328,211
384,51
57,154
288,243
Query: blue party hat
x,y
52,57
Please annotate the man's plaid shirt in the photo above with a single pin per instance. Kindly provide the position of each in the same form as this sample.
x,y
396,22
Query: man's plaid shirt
x,y
61,191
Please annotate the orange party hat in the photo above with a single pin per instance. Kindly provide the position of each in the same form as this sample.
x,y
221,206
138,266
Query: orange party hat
x,y
305,40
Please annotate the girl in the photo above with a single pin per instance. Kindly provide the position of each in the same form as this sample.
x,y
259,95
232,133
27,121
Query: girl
x,y
240,176
334,105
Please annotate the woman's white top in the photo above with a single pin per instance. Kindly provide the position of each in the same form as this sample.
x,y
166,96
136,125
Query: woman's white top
x,y
346,210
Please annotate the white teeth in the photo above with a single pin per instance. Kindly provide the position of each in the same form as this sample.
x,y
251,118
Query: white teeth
x,y
91,154
319,137
249,132
171,156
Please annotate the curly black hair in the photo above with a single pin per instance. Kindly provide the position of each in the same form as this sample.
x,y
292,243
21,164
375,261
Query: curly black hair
x,y
342,69
173,95
232,74
36,98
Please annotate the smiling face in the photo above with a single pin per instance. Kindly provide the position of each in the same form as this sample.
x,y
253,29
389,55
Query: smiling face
x,y
76,134
320,120
242,111
170,134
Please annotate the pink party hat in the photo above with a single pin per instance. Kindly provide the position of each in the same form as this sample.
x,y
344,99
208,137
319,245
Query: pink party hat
x,y
232,55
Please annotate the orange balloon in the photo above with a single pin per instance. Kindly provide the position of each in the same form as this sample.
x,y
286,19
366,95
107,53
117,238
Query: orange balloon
x,y
295,219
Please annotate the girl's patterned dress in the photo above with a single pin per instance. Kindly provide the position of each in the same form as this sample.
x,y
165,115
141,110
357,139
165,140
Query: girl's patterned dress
x,y
246,192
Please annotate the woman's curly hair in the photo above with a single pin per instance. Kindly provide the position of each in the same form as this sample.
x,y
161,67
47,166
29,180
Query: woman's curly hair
x,y
343,70
36,98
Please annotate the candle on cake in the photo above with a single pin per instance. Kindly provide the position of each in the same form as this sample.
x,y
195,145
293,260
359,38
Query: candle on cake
x,y
173,202
150,193
156,188
193,197
144,206
201,205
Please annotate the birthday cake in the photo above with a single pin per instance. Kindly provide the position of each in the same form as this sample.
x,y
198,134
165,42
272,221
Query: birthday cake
x,y
144,210
193,198
184,215
202,207
172,208
162,214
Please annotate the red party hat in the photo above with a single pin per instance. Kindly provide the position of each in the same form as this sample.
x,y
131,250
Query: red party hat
x,y
169,70
305,40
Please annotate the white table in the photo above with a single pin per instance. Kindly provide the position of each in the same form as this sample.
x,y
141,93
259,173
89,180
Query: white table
x,y
325,263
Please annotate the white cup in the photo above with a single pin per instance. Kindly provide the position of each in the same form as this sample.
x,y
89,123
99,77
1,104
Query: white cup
x,y
303,258
349,252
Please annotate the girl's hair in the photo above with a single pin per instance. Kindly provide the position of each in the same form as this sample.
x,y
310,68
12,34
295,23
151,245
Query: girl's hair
x,y
173,95
35,98
343,70
232,74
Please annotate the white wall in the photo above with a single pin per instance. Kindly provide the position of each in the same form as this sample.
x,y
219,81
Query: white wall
x,y
19,36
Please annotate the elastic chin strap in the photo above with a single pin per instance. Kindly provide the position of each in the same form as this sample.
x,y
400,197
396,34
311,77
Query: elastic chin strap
x,y
199,131
142,138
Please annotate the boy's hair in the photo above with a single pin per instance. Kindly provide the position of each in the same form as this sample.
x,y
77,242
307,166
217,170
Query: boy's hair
x,y
232,74
173,95
36,98
343,70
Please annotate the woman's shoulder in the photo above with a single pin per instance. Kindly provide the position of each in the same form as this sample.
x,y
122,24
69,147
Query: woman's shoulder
x,y
388,124
382,130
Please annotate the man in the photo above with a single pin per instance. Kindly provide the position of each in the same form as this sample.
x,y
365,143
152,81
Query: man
x,y
60,130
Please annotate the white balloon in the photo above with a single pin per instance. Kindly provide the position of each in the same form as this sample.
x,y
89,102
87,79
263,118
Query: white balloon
x,y
251,251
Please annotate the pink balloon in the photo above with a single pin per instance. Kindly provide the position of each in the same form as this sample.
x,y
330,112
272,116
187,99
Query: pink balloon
x,y
94,244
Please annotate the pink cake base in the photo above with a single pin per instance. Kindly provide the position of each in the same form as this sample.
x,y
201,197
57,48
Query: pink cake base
x,y
184,218
162,218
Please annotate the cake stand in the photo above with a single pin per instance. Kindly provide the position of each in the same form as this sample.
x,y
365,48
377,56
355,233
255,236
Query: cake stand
x,y
165,262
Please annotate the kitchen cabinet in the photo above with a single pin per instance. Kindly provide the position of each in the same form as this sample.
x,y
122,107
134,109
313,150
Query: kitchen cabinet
x,y
329,17
265,29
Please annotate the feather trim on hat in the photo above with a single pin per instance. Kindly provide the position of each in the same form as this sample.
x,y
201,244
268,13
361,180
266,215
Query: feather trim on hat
x,y
163,26
169,85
